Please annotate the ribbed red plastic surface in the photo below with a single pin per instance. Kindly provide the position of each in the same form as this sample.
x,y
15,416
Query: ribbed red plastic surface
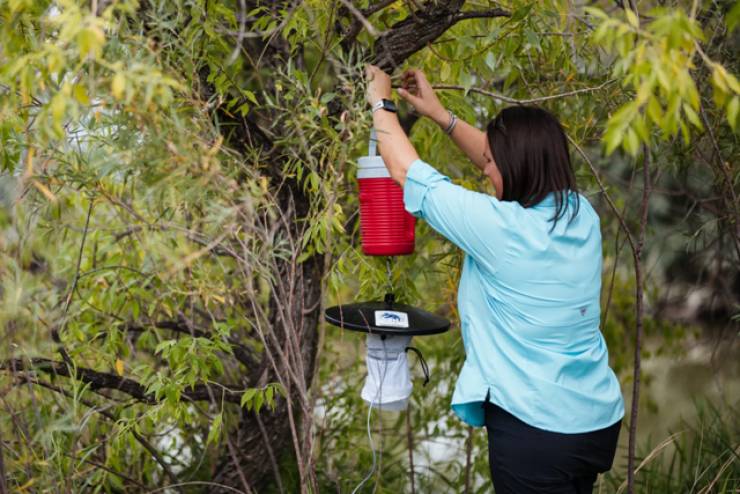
x,y
387,228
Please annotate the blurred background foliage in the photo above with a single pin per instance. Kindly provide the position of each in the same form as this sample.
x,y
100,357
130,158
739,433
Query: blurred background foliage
x,y
142,232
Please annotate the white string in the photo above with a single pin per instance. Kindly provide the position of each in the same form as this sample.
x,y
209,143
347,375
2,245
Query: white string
x,y
379,396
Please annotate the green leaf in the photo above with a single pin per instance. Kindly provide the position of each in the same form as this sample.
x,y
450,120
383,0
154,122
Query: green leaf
x,y
259,399
733,17
215,430
632,18
613,139
631,142
490,60
685,132
250,95
521,12
327,97
641,128
654,111
118,85
80,94
248,396
596,12
269,395
90,41
692,116
532,38
732,112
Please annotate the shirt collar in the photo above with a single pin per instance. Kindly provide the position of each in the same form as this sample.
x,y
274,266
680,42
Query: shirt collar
x,y
549,200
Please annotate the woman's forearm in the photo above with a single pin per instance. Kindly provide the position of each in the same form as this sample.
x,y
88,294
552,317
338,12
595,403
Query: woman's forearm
x,y
395,148
469,139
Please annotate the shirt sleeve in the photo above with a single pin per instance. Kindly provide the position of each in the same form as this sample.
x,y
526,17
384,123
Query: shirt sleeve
x,y
473,221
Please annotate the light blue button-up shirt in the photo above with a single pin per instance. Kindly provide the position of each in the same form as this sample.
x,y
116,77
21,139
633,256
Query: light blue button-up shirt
x,y
528,303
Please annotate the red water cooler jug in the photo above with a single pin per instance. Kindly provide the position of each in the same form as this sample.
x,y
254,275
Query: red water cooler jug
x,y
386,227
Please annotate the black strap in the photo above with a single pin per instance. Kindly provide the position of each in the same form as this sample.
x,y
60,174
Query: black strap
x,y
424,365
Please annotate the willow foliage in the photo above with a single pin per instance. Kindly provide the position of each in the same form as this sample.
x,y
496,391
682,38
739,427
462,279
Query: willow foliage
x,y
179,205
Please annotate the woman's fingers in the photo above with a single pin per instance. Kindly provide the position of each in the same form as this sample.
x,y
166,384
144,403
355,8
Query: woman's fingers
x,y
412,98
409,80
371,70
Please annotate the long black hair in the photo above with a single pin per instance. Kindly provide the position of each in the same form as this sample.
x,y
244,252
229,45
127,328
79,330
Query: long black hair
x,y
531,152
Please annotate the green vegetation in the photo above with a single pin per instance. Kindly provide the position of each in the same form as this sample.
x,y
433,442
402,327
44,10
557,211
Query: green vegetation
x,y
701,457
178,205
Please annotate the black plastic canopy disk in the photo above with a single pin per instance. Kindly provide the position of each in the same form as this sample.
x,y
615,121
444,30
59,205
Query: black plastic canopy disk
x,y
361,317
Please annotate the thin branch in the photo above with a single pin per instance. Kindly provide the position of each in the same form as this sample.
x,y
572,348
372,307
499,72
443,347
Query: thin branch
x,y
639,316
242,17
109,470
270,453
361,18
608,198
55,332
146,444
507,99
3,481
723,167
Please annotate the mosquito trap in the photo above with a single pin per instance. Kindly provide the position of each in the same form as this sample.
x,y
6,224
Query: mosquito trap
x,y
386,229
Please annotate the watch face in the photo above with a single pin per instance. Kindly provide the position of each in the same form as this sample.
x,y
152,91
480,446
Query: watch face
x,y
389,105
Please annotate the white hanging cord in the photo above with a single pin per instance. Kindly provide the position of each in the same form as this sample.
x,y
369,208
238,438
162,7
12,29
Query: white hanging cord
x,y
378,400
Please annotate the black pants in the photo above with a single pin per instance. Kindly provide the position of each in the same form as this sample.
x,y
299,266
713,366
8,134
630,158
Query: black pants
x,y
525,459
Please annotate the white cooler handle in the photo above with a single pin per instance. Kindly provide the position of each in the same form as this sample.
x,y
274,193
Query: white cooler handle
x,y
371,149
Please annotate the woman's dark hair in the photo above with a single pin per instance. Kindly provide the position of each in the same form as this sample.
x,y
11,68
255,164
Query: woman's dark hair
x,y
531,152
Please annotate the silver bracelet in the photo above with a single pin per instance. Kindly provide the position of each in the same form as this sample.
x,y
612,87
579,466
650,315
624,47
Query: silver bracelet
x,y
453,122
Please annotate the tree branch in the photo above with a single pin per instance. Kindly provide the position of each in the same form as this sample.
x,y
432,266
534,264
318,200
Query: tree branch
x,y
479,14
646,189
507,99
243,354
420,27
102,380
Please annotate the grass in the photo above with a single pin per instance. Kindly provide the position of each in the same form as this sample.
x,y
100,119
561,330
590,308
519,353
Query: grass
x,y
702,457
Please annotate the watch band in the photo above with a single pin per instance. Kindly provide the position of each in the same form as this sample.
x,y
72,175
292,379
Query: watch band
x,y
385,104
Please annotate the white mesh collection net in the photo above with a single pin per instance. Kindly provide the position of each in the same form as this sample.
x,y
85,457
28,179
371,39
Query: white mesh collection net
x,y
388,384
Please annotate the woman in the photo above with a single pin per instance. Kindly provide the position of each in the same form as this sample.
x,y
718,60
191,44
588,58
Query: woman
x,y
536,372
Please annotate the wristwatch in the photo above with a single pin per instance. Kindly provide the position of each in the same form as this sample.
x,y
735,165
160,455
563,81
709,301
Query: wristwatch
x,y
385,104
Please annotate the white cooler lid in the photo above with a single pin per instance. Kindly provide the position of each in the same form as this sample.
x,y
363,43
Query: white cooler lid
x,y
372,165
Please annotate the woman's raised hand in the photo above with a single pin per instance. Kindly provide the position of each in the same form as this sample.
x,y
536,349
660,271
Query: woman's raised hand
x,y
379,84
415,89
